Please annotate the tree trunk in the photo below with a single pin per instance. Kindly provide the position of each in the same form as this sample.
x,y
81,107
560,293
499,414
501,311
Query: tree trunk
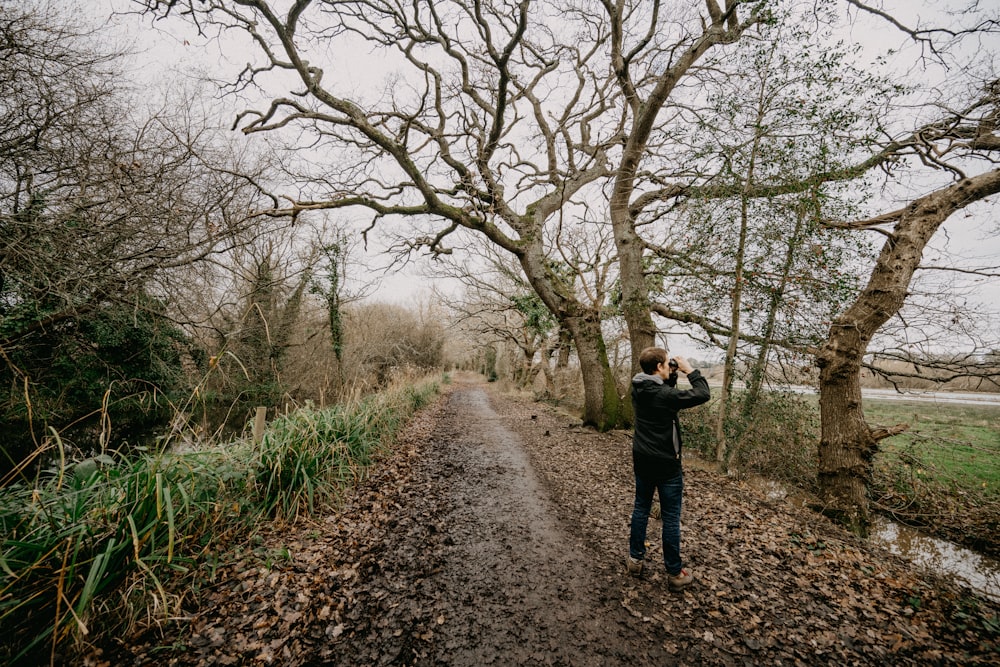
x,y
736,301
546,368
847,445
759,369
603,406
724,28
635,292
725,394
528,370
565,343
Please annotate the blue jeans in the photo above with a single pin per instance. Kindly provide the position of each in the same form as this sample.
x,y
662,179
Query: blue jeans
x,y
670,491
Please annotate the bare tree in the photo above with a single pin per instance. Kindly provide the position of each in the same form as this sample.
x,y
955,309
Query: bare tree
x,y
498,120
962,144
484,134
273,284
637,51
848,444
387,342
100,202
500,309
942,335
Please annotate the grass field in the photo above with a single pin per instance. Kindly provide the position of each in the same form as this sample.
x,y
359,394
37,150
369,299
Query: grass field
x,y
942,474
958,445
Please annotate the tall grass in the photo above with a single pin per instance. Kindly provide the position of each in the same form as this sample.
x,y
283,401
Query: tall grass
x,y
71,541
307,457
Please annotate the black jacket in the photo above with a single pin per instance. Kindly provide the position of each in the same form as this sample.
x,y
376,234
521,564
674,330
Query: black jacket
x,y
656,446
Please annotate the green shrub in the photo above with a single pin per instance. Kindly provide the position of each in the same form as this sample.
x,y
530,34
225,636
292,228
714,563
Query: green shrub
x,y
779,440
123,360
699,435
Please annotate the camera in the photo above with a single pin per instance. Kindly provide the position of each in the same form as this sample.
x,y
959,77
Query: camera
x,y
672,364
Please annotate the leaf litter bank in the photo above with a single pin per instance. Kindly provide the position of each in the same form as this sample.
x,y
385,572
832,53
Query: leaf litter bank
x,y
494,534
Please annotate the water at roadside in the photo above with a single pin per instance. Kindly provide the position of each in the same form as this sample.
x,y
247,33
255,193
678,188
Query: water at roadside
x,y
978,571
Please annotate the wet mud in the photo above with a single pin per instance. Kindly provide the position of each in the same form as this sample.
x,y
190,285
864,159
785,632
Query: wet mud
x,y
514,585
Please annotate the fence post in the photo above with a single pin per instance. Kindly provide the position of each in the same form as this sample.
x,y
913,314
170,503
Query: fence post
x,y
259,422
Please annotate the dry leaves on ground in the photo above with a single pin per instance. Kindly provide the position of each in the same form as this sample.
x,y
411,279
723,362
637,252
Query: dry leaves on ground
x,y
423,564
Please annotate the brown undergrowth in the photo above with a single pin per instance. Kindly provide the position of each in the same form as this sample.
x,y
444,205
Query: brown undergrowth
x,y
495,533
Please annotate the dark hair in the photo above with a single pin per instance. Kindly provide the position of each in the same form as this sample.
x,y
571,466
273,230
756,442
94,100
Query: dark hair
x,y
652,357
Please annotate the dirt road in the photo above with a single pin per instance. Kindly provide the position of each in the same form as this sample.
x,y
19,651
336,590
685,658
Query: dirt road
x,y
513,585
494,535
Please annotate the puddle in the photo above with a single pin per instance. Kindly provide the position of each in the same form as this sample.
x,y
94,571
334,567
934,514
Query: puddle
x,y
979,572
777,491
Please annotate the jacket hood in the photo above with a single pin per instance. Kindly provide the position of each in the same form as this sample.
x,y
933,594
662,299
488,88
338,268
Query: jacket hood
x,y
641,378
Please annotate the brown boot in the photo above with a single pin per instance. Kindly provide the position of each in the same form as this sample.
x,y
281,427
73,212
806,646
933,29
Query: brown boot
x,y
678,582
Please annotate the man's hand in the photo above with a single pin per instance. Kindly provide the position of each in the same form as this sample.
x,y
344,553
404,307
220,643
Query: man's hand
x,y
682,365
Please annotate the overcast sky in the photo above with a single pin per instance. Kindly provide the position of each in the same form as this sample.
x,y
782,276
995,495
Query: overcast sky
x,y
174,53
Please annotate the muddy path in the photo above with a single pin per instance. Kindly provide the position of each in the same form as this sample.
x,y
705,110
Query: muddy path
x,y
494,534
514,584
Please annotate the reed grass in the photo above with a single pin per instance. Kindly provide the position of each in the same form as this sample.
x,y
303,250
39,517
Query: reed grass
x,y
89,534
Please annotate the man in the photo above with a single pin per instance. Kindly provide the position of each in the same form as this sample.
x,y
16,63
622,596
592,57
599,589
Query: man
x,y
656,456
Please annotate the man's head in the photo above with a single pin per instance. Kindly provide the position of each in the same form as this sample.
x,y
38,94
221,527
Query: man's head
x,y
651,358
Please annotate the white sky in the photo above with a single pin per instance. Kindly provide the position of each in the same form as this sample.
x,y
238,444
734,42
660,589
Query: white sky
x,y
170,59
